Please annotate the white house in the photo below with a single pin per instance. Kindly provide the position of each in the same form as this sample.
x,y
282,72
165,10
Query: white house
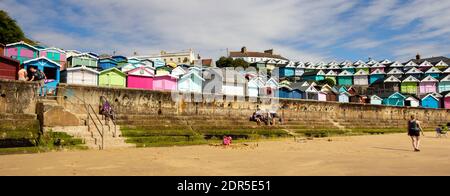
x,y
80,75
361,78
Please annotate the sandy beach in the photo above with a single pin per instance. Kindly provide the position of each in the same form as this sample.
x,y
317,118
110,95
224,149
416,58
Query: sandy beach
x,y
360,155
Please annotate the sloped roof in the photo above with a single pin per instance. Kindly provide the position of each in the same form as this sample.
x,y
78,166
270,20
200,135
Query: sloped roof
x,y
82,68
42,58
239,54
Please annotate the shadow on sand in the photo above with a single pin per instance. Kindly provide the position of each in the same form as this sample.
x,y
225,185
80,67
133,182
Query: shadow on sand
x,y
393,149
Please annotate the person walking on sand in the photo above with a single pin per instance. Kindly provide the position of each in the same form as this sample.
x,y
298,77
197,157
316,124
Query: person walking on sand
x,y
22,75
414,130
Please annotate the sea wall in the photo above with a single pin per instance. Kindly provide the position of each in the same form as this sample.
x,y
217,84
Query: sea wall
x,y
158,112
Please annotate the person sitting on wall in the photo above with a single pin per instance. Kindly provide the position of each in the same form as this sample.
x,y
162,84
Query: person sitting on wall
x,y
107,110
272,115
258,117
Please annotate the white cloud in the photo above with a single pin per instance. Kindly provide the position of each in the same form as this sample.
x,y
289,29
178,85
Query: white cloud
x,y
298,29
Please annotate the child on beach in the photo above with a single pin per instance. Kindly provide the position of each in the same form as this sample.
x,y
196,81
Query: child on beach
x,y
227,140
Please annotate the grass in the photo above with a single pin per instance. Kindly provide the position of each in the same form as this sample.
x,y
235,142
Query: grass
x,y
50,141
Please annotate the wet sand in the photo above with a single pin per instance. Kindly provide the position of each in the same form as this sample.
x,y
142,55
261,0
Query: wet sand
x,y
361,155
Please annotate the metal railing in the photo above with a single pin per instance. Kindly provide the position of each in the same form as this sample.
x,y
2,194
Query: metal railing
x,y
89,108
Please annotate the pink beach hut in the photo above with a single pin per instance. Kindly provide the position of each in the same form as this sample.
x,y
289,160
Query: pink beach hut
x,y
141,78
165,83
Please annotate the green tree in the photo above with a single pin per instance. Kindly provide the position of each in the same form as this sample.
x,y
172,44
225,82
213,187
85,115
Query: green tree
x,y
240,63
224,62
229,62
10,32
328,81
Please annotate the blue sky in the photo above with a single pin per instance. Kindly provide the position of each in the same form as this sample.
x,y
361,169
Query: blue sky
x,y
306,30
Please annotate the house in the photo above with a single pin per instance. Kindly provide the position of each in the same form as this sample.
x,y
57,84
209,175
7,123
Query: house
x,y
396,72
363,66
129,66
331,75
51,70
334,67
331,93
394,99
376,75
121,60
141,78
341,89
8,68
444,84
409,85
287,70
55,54
191,82
321,96
158,63
253,57
395,64
83,59
284,91
414,72
425,65
446,99
165,83
254,86
179,71
412,101
359,98
430,101
112,77
434,72
409,65
428,84
344,97
361,78
392,83
299,69
348,67
377,66
385,62
162,71
106,63
371,62
308,92
345,78
316,75
441,65
375,100
234,84
359,62
80,75
70,53
21,51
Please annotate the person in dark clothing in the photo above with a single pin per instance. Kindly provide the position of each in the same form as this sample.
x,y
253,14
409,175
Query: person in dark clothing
x,y
414,130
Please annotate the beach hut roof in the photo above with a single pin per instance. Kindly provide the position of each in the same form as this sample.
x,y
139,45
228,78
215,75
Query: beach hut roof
x,y
43,58
84,68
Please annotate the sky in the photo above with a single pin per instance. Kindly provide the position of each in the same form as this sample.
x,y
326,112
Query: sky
x,y
301,30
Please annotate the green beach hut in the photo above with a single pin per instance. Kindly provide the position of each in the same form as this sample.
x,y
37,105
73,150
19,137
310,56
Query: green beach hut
x,y
112,78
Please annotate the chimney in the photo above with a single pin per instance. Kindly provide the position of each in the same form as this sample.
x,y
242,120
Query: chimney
x,y
244,50
418,56
269,51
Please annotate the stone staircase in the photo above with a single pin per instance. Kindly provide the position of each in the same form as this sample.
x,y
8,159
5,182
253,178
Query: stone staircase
x,y
92,138
90,130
